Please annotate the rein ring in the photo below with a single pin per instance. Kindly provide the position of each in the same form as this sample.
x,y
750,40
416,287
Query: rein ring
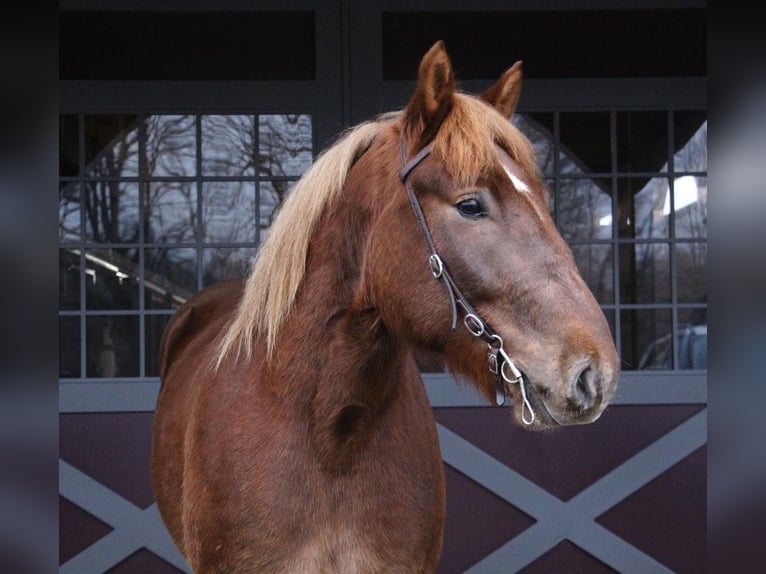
x,y
437,265
474,325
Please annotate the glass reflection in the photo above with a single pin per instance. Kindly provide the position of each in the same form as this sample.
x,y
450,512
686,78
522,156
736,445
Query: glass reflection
x,y
171,146
585,208
111,280
69,212
225,263
170,276
111,146
645,273
112,346
285,144
69,279
596,267
538,127
550,186
271,196
690,206
228,212
691,142
171,212
69,347
641,207
645,341
691,272
111,212
154,328
692,338
228,145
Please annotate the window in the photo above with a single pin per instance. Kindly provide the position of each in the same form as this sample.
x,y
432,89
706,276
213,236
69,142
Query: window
x,y
152,208
629,194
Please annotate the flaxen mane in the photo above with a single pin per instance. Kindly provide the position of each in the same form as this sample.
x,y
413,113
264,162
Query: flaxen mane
x,y
465,144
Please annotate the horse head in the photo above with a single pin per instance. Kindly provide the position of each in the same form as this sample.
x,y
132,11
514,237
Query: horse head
x,y
499,256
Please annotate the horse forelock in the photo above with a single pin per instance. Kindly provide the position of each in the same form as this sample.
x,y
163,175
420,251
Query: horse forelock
x,y
466,140
280,264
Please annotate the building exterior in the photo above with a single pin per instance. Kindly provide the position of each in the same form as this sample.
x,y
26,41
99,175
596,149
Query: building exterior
x,y
182,127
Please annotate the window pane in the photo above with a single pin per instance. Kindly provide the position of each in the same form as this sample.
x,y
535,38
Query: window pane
x,y
692,338
112,349
690,141
171,211
585,208
228,145
225,263
111,280
272,194
69,279
645,273
642,208
550,185
596,267
690,206
111,146
155,326
171,149
585,143
691,272
538,128
69,212
228,211
609,314
111,212
69,146
170,276
69,347
642,142
646,340
284,144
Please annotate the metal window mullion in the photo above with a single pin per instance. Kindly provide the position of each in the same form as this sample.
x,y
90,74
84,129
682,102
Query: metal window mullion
x,y
81,243
616,285
257,176
556,166
672,239
143,192
198,183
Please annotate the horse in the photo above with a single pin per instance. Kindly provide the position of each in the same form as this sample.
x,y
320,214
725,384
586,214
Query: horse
x,y
292,430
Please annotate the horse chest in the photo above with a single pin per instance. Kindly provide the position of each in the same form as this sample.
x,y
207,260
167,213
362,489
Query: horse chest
x,y
338,549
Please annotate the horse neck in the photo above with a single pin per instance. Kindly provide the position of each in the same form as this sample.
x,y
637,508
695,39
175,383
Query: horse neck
x,y
340,365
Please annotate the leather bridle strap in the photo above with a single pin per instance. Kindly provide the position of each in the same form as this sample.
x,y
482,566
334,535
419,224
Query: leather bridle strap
x,y
498,359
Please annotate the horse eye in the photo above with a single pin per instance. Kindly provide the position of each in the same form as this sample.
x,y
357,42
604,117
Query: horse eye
x,y
471,208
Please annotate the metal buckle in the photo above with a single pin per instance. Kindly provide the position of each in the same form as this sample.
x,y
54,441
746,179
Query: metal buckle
x,y
494,366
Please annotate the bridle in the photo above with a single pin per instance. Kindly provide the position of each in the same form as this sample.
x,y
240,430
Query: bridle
x,y
500,363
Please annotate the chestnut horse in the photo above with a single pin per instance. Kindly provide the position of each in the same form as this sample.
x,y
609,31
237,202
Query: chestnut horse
x,y
293,432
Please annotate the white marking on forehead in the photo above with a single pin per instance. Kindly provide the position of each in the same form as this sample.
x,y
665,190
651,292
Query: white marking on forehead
x,y
517,182
521,186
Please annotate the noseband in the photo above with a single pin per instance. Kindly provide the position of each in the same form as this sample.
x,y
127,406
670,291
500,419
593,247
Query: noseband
x,y
500,363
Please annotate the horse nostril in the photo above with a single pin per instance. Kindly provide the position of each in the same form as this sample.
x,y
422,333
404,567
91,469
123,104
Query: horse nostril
x,y
585,389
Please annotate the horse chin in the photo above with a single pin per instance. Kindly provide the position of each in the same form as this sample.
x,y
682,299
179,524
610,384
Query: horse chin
x,y
566,418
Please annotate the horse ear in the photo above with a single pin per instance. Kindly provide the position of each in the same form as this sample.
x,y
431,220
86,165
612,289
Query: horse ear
x,y
504,95
432,99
